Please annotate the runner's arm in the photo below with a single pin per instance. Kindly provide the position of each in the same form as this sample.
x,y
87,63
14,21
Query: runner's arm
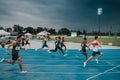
x,y
99,44
11,44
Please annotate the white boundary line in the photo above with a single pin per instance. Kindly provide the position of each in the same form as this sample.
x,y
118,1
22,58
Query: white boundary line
x,y
64,73
81,59
63,60
102,73
72,73
110,63
113,72
52,65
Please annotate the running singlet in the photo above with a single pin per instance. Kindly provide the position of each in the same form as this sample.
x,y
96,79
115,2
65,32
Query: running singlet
x,y
95,46
27,42
16,48
57,43
44,42
15,51
83,46
63,41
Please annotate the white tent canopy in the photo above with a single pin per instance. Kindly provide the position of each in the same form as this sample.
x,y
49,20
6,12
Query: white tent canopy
x,y
2,32
43,33
28,34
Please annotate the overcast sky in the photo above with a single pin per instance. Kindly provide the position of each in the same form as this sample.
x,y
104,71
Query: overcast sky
x,y
72,14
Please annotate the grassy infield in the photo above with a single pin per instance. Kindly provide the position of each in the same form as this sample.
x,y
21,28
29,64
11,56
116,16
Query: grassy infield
x,y
105,41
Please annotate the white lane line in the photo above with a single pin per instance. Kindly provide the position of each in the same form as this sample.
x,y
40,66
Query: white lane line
x,y
63,60
63,73
102,73
72,73
113,72
53,65
110,63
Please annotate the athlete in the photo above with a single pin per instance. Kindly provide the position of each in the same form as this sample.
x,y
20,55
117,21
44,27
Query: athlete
x,y
3,44
83,49
15,51
95,45
57,46
27,42
23,42
45,40
62,43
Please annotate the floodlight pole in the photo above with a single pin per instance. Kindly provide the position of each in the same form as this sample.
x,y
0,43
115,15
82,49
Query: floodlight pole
x,y
99,19
99,25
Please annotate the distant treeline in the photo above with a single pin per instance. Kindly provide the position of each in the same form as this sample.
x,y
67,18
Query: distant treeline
x,y
63,31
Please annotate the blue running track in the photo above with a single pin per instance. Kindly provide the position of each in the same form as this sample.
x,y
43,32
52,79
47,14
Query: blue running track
x,y
42,65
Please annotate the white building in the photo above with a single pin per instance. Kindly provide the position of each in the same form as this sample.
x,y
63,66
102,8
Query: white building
x,y
73,34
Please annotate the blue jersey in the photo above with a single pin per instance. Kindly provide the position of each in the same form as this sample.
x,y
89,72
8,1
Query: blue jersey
x,y
57,43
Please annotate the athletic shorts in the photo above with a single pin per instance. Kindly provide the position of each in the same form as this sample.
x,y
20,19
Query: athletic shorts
x,y
22,43
62,44
3,45
44,46
15,57
27,43
94,53
83,50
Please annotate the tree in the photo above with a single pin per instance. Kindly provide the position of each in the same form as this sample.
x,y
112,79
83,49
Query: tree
x,y
18,28
1,28
84,32
8,29
30,30
39,29
35,31
64,31
78,32
52,31
45,29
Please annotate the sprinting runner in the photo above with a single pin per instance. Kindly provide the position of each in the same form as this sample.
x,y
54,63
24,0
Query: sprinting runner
x,y
23,42
27,42
57,46
95,45
45,40
62,43
15,51
3,44
83,49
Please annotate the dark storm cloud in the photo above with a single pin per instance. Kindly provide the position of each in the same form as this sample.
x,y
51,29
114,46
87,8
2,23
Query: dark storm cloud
x,y
73,14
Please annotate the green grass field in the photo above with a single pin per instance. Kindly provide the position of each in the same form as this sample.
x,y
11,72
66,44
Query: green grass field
x,y
105,41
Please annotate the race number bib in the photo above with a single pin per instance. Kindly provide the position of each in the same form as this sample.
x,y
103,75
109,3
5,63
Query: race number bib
x,y
17,48
82,45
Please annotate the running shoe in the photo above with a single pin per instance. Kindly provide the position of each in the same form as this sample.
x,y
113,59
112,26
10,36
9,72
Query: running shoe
x,y
96,61
23,71
66,50
65,55
49,52
2,60
84,64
